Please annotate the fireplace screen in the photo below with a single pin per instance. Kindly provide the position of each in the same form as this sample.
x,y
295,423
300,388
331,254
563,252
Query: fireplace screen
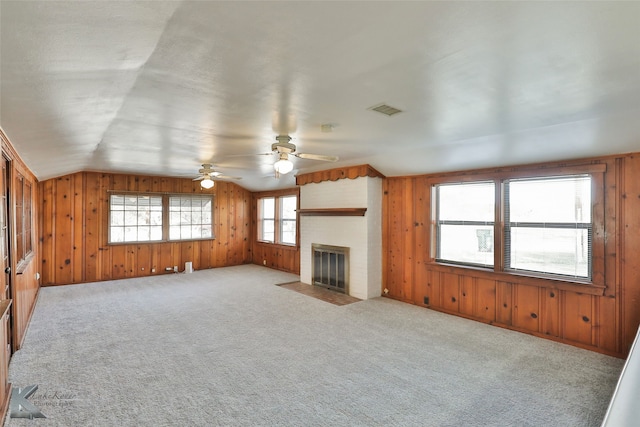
x,y
330,267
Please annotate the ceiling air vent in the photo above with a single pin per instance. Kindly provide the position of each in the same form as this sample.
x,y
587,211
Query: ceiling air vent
x,y
385,109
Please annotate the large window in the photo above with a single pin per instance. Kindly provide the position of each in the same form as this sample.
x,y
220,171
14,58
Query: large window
x,y
548,225
159,217
277,219
539,226
464,219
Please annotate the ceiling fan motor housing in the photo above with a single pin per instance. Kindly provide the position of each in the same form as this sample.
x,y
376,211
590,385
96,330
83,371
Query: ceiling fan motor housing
x,y
283,147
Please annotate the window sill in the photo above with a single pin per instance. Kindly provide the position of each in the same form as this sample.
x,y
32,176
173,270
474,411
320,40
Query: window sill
x,y
24,263
523,279
154,242
281,245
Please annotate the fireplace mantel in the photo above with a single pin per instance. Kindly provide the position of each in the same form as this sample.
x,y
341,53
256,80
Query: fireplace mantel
x,y
333,212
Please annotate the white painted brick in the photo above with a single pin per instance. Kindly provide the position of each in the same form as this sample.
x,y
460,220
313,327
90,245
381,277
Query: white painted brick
x,y
363,235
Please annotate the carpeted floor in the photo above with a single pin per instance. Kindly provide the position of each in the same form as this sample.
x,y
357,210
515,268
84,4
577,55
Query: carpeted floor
x,y
226,347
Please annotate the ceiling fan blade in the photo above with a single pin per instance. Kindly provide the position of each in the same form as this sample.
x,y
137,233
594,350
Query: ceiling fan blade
x,y
199,178
316,157
228,177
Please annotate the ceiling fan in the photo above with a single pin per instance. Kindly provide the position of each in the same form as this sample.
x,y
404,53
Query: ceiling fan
x,y
207,175
284,148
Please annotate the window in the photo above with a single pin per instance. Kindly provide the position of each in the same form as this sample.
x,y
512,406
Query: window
x,y
277,219
266,219
190,217
24,244
541,226
465,221
135,218
548,226
288,220
159,217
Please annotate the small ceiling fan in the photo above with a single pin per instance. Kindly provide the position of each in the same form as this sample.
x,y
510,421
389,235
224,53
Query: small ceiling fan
x,y
284,148
208,174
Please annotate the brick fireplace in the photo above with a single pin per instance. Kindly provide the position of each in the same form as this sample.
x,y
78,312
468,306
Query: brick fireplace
x,y
344,213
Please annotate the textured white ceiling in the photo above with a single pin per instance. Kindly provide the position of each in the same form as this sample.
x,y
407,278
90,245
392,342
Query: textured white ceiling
x,y
161,87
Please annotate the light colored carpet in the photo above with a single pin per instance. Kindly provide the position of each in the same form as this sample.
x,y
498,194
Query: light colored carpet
x,y
226,347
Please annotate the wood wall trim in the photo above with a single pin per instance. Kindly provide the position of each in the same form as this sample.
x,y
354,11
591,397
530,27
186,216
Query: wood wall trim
x,y
333,212
335,174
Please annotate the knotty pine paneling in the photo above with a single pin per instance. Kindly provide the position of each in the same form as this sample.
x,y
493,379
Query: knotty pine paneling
x,y
605,321
74,229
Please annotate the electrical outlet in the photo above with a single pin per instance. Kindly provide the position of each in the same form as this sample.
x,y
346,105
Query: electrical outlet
x,y
153,270
264,262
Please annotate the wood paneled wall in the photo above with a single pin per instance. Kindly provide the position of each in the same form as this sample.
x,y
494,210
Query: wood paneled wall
x,y
24,284
604,321
74,235
279,257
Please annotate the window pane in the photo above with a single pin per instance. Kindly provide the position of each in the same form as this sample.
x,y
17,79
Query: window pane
x,y
471,244
268,230
465,218
117,218
288,232
548,250
549,225
565,199
156,233
467,202
117,234
268,208
288,207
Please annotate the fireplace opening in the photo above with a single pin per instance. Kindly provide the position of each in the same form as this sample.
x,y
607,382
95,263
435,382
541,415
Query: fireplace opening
x,y
330,267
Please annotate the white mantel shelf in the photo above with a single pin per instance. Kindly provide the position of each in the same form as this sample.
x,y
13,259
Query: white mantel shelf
x,y
333,212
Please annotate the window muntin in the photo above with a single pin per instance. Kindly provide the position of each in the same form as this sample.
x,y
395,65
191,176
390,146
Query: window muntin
x,y
135,218
465,215
288,220
548,225
190,217
267,219
277,219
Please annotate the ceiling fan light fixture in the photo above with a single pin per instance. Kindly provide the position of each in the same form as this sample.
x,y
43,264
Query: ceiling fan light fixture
x,y
206,183
284,165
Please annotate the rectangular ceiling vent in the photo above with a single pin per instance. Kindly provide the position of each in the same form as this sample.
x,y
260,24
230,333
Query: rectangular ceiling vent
x,y
385,109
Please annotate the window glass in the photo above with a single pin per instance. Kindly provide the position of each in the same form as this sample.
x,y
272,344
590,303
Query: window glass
x,y
288,220
465,218
130,218
190,217
548,225
277,218
267,219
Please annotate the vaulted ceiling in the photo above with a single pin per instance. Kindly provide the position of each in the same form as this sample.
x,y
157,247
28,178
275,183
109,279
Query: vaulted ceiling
x,y
161,87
